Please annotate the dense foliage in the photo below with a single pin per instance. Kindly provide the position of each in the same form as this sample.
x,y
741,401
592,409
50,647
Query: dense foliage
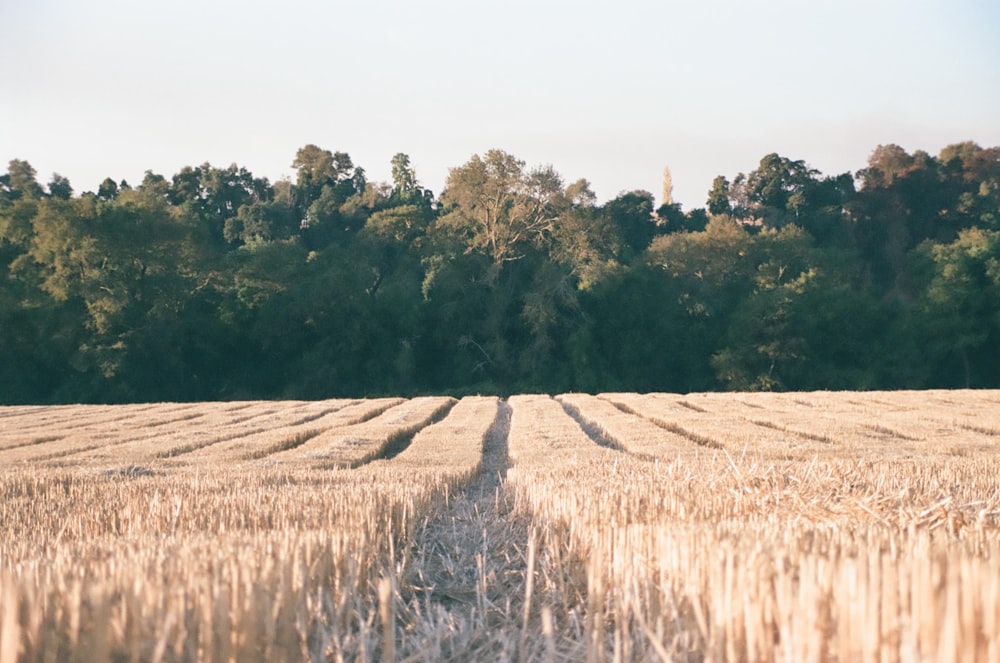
x,y
218,284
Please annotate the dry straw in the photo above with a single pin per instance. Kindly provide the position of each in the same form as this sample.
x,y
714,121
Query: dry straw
x,y
625,527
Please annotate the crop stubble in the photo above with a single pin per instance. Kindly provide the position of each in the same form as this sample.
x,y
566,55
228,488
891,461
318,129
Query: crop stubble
x,y
621,527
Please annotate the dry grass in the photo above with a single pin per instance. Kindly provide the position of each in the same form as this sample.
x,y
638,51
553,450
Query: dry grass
x,y
737,527
215,426
454,444
282,435
370,438
83,425
624,429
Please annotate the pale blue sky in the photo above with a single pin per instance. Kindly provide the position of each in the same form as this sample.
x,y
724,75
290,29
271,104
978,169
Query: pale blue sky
x,y
610,91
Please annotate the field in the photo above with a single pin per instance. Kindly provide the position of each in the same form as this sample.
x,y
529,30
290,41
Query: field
x,y
833,526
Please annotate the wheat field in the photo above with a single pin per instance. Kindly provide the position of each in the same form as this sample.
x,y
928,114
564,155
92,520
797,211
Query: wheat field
x,y
828,526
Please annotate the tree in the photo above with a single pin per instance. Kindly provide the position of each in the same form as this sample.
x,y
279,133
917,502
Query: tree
x,y
713,270
579,194
550,313
318,168
108,190
216,283
886,163
258,222
672,219
154,184
59,187
216,197
962,307
778,190
390,238
776,179
587,243
20,181
127,262
498,207
792,336
718,197
404,179
734,287
325,183
975,172
823,209
640,335
906,199
632,214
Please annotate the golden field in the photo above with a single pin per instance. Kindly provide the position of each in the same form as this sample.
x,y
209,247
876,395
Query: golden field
x,y
828,526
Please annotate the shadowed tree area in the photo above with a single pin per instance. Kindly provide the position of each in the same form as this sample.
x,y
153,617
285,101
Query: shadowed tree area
x,y
215,284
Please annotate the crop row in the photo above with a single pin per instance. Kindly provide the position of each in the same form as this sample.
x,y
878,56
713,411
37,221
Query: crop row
x,y
755,527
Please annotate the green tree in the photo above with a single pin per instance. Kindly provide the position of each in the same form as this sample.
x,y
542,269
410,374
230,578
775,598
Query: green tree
x,y
126,261
906,199
39,335
217,196
778,190
317,169
392,237
632,214
327,183
587,243
404,178
59,187
974,178
498,207
260,221
737,288
793,336
672,219
731,199
887,163
20,181
718,197
961,305
108,189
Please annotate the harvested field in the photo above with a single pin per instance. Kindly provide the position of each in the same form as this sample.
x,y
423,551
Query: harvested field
x,y
618,527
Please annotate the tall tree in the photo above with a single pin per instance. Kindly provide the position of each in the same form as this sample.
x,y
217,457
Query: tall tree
x,y
962,307
778,189
21,181
585,240
108,189
59,187
498,207
718,197
404,178
632,214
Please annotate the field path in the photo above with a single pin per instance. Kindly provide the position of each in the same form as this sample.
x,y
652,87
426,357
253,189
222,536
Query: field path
x,y
468,557
474,556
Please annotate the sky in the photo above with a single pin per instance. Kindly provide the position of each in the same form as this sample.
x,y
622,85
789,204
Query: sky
x,y
608,91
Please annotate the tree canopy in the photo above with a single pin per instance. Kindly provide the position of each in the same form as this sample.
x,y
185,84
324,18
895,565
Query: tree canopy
x,y
214,283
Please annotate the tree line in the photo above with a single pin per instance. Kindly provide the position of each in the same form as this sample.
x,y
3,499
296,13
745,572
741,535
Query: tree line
x,y
216,284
